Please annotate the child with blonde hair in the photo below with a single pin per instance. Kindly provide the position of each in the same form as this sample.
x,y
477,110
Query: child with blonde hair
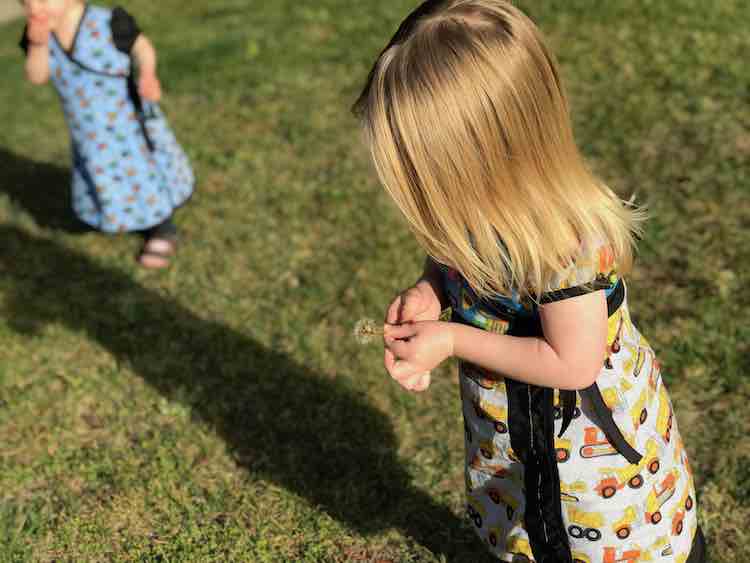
x,y
572,448
129,173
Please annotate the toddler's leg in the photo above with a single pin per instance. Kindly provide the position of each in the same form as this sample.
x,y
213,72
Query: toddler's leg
x,y
160,245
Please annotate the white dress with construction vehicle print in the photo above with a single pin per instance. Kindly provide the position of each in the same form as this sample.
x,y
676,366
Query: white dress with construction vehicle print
x,y
611,510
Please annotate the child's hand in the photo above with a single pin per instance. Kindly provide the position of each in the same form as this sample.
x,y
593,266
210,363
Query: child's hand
x,y
418,303
38,29
413,349
149,87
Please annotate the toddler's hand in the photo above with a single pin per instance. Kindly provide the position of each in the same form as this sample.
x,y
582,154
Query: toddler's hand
x,y
38,29
418,303
149,87
413,349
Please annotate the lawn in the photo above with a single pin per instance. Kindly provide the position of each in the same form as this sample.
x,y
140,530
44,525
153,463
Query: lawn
x,y
221,410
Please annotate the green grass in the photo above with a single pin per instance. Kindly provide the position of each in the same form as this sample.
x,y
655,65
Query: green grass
x,y
220,411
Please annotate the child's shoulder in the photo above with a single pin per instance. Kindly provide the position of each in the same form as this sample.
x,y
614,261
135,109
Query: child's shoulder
x,y
122,26
98,10
115,13
593,264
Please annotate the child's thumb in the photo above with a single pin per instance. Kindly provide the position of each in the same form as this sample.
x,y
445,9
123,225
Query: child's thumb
x,y
410,305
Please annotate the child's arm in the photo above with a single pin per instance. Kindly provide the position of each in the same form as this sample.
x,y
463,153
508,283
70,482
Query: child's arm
x,y
37,51
128,39
145,56
569,356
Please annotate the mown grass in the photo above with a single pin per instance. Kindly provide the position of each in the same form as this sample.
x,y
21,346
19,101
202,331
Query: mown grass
x,y
220,411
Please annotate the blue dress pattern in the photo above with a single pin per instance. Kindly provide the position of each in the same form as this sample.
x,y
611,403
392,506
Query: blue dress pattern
x,y
129,172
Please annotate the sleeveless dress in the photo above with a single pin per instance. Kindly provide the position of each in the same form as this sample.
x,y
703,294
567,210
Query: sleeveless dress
x,y
595,476
128,172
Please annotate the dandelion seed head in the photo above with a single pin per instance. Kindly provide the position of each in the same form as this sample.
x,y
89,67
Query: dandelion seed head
x,y
365,330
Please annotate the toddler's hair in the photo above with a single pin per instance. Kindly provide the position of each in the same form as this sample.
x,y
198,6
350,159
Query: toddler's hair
x,y
469,128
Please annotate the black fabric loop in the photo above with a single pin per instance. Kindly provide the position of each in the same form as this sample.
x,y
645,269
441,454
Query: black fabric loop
x,y
608,426
124,29
140,115
519,423
568,400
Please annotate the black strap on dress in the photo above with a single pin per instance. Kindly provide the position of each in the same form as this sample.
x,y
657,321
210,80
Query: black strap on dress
x,y
125,30
532,436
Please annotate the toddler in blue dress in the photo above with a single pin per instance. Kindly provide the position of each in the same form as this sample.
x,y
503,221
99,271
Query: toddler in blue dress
x,y
128,171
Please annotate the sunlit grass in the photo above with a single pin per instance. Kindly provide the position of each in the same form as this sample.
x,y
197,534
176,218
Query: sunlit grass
x,y
222,410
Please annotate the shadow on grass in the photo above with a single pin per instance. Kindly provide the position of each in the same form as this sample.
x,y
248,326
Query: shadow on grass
x,y
41,189
310,434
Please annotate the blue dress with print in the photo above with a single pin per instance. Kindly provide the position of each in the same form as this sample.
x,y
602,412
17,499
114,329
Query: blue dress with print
x,y
129,172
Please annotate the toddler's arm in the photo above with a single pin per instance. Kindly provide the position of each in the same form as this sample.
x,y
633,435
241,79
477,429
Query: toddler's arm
x,y
128,39
145,55
570,355
35,43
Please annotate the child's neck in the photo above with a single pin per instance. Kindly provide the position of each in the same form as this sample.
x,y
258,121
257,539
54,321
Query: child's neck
x,y
65,28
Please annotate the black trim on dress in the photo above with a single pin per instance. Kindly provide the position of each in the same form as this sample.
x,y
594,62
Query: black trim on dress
x,y
575,291
532,436
531,427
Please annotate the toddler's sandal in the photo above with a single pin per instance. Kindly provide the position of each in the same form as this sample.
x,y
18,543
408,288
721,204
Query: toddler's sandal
x,y
157,253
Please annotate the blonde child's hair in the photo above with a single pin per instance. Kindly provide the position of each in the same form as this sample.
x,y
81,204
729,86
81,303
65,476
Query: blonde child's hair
x,y
468,126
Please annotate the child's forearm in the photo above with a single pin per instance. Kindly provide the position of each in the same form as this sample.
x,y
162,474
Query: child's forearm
x,y
145,55
528,359
37,63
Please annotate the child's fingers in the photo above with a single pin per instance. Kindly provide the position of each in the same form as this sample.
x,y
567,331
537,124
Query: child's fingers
x,y
150,94
38,19
394,332
407,374
411,303
38,29
412,381
391,316
404,372
149,88
389,360
423,381
400,348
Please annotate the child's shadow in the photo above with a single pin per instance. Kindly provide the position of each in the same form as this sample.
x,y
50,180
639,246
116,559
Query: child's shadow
x,y
41,189
310,434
